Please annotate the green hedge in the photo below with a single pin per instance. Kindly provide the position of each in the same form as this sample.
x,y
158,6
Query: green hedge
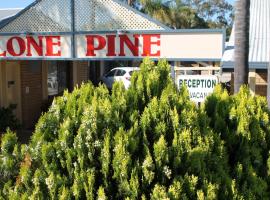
x,y
147,142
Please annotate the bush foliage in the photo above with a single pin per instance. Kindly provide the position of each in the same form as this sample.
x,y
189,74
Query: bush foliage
x,y
147,142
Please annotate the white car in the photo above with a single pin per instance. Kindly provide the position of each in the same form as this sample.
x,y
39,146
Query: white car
x,y
119,74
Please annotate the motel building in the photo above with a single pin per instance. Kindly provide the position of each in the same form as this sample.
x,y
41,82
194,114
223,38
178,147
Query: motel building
x,y
259,48
53,45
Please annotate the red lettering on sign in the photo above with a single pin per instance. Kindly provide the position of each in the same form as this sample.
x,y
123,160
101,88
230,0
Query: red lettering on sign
x,y
123,45
91,44
3,54
134,48
21,46
147,44
31,42
51,43
111,45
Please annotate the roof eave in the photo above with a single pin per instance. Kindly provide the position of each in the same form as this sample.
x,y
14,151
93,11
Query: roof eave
x,y
252,65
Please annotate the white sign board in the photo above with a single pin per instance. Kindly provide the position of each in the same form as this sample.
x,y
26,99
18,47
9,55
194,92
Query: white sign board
x,y
35,46
199,86
169,45
186,46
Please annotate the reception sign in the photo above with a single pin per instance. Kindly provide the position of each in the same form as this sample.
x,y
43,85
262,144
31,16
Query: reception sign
x,y
169,45
199,86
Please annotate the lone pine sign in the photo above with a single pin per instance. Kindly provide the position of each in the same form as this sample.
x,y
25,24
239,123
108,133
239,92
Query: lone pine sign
x,y
170,45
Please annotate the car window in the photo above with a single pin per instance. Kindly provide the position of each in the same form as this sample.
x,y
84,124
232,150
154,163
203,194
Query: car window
x,y
120,72
131,72
111,73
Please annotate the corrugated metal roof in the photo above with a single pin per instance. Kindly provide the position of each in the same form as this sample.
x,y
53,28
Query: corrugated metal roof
x,y
9,12
259,51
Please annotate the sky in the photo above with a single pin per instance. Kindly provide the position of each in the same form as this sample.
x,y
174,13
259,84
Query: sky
x,y
24,3
14,3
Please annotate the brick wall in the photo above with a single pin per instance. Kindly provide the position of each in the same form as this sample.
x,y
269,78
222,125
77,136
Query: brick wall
x,y
261,90
261,83
261,77
31,87
82,72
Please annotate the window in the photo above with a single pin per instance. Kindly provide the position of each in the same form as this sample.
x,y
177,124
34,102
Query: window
x,y
58,77
131,72
111,73
120,72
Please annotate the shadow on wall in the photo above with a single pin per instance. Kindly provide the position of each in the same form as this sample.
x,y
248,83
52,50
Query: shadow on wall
x,y
9,121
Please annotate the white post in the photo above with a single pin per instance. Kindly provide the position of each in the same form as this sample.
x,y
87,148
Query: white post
x,y
268,85
252,81
173,71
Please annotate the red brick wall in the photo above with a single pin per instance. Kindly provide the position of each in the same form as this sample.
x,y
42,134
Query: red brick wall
x,y
83,71
31,77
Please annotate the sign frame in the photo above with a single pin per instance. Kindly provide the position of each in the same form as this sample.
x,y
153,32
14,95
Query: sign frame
x,y
74,34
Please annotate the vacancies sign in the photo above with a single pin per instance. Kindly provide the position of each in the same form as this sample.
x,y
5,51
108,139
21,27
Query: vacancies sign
x,y
169,45
199,86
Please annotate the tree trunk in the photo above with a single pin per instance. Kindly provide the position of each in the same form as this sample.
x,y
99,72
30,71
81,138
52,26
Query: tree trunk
x,y
241,69
130,2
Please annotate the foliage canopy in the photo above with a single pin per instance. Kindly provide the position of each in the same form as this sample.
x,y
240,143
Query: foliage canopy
x,y
181,14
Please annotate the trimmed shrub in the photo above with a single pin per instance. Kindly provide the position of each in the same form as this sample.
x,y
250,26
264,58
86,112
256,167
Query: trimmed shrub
x,y
147,142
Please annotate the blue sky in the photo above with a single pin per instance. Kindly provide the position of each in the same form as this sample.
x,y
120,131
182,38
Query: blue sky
x,y
23,3
15,3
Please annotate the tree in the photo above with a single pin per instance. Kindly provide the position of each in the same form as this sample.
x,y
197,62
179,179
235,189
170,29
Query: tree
x,y
217,13
174,14
191,14
242,13
148,142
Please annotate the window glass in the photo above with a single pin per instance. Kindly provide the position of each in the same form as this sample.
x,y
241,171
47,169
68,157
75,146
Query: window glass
x,y
52,79
111,73
62,76
58,73
120,72
131,72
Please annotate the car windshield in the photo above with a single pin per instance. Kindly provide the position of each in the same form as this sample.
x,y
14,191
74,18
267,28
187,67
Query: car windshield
x,y
120,72
111,73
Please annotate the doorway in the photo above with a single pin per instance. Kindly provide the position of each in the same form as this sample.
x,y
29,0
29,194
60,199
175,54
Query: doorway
x,y
12,87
